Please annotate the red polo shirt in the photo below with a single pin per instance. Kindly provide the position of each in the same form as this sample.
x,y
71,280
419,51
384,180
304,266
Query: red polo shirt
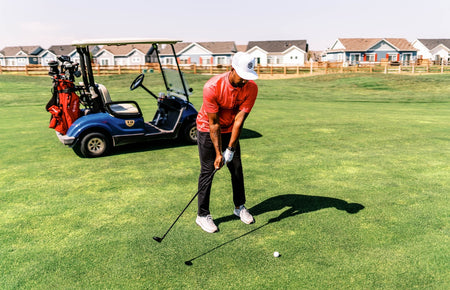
x,y
219,96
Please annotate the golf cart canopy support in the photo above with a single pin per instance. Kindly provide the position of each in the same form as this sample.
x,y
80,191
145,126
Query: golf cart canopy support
x,y
122,41
82,47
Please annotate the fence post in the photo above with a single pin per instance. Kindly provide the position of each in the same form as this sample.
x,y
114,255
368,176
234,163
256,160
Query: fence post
x,y
442,67
412,68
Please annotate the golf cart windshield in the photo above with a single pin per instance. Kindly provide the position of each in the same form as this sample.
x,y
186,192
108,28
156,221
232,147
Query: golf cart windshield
x,y
175,83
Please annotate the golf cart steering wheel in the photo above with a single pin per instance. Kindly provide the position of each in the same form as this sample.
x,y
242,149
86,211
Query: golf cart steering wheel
x,y
137,82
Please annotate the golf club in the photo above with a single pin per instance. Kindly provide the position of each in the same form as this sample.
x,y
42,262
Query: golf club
x,y
160,239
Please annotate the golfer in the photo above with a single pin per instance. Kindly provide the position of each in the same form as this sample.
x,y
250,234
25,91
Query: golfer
x,y
228,98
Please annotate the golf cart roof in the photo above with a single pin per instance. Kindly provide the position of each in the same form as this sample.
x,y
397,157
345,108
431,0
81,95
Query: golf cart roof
x,y
122,41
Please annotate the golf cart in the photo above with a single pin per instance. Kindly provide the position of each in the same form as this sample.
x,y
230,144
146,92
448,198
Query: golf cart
x,y
105,123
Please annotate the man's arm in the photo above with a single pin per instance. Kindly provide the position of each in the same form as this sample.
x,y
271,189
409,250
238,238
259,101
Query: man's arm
x,y
216,138
237,128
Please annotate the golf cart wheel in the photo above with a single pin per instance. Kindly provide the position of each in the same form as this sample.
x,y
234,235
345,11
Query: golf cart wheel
x,y
190,133
95,145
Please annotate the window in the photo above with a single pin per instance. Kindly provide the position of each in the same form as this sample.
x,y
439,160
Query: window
x,y
392,57
220,60
355,58
104,61
370,57
136,59
406,58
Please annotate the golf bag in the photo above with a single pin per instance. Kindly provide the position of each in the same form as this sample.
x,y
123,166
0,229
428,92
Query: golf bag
x,y
65,103
64,106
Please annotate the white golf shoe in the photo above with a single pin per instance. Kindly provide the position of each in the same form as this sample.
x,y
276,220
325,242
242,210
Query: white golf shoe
x,y
244,215
206,223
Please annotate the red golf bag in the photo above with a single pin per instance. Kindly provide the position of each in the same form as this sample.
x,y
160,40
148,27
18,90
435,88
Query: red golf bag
x,y
64,105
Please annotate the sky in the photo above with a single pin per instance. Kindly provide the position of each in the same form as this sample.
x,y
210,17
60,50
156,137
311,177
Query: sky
x,y
320,22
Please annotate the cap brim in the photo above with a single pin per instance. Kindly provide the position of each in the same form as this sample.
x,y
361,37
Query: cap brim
x,y
247,75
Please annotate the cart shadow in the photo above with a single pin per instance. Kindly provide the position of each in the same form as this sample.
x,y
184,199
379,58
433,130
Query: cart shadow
x,y
165,144
296,204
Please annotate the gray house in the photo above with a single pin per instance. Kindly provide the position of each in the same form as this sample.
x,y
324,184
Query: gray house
x,y
20,55
54,51
279,52
371,50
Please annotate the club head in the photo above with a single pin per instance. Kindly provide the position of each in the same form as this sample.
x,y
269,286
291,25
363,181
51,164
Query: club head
x,y
158,239
188,263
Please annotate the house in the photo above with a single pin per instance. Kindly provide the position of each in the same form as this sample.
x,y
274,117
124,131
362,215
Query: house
x,y
126,55
371,50
279,52
20,55
200,53
437,50
54,51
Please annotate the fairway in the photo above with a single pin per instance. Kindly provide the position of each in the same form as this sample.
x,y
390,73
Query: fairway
x,y
348,178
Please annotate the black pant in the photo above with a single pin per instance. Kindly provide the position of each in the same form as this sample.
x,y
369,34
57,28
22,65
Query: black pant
x,y
207,157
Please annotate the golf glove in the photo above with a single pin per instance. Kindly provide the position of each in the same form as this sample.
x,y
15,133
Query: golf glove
x,y
228,154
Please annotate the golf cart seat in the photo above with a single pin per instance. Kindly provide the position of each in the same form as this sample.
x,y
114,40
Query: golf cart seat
x,y
104,94
116,108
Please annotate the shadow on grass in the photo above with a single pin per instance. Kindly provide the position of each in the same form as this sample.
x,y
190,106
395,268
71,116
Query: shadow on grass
x,y
164,144
295,203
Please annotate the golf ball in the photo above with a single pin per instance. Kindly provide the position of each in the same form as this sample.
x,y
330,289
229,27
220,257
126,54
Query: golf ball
x,y
276,254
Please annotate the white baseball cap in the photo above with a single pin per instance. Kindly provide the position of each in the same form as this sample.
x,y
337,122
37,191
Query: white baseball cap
x,y
244,65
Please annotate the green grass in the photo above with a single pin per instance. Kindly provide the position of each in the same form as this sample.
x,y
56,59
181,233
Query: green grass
x,y
314,149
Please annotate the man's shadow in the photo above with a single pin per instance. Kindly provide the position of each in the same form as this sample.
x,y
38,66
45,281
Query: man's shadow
x,y
296,204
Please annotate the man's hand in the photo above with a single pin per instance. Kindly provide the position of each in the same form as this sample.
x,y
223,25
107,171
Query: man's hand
x,y
228,155
219,162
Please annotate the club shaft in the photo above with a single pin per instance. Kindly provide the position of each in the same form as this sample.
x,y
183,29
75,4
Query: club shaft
x,y
189,203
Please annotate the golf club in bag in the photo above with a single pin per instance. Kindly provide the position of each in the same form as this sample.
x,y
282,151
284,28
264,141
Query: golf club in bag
x,y
159,239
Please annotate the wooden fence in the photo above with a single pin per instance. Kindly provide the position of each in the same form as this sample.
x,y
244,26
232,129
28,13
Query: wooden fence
x,y
289,71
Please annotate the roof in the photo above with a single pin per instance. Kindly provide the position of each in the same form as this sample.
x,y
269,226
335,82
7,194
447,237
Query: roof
x,y
14,50
126,49
278,45
241,47
364,44
215,47
61,49
432,43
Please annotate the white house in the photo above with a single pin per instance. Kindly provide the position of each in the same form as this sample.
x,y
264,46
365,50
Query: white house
x,y
279,52
126,55
200,53
433,49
